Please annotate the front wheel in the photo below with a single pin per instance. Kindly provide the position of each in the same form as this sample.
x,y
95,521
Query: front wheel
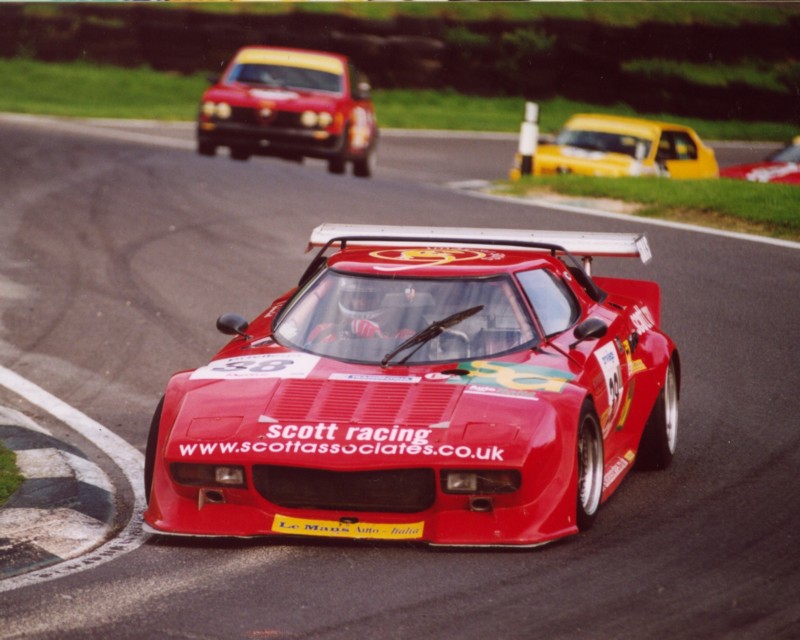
x,y
150,451
590,468
364,167
660,436
337,166
206,148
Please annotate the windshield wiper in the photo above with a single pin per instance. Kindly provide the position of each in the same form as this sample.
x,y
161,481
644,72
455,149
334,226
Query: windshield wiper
x,y
430,332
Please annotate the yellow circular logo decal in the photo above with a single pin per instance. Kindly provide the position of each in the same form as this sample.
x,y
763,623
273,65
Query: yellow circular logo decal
x,y
417,258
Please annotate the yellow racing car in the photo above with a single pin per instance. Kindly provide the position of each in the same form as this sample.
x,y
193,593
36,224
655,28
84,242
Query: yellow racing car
x,y
614,146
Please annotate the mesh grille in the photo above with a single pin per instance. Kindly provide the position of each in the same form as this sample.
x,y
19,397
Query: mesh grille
x,y
396,490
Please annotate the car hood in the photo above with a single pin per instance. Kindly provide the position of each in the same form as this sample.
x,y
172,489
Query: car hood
x,y
764,172
288,98
552,157
474,412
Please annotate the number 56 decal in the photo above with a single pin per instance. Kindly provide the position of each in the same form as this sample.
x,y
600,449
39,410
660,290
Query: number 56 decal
x,y
275,365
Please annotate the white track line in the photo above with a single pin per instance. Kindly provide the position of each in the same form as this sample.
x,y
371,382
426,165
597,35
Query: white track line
x,y
127,458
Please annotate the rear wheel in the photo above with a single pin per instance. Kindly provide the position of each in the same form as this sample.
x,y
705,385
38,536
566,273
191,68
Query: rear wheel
x,y
150,451
660,435
590,467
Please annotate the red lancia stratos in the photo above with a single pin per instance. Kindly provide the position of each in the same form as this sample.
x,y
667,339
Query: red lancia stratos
x,y
443,385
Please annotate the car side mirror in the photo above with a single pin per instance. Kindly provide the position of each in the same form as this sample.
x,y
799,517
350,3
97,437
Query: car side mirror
x,y
233,324
213,78
363,91
589,329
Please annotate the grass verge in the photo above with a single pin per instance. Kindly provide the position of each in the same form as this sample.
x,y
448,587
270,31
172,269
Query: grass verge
x,y
90,91
10,476
736,205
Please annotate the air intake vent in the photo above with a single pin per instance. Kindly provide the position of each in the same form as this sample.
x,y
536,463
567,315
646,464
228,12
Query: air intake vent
x,y
383,403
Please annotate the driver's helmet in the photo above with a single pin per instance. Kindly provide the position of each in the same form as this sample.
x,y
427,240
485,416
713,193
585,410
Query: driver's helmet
x,y
360,299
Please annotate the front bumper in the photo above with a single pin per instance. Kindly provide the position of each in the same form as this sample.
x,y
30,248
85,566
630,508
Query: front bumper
x,y
452,520
291,143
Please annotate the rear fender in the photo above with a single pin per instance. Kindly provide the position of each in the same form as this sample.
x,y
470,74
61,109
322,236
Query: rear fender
x,y
634,291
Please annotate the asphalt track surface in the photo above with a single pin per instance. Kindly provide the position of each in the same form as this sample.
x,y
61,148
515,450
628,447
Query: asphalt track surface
x,y
117,253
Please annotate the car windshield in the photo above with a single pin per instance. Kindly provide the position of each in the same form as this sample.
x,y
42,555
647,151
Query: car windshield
x,y
365,319
275,75
789,154
605,142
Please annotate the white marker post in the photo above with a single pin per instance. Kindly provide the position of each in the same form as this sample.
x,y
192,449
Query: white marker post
x,y
528,138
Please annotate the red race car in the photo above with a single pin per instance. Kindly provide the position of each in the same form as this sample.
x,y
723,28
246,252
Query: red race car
x,y
291,104
782,166
444,385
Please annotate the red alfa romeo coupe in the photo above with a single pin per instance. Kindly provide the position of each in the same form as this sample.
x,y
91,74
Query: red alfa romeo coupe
x,y
291,104
443,385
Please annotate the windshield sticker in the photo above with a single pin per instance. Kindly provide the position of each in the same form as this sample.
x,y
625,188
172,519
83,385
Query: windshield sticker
x,y
432,257
519,377
339,529
272,365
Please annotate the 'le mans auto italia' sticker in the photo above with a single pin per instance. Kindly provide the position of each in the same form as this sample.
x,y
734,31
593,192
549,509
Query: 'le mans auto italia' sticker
x,y
339,529
271,365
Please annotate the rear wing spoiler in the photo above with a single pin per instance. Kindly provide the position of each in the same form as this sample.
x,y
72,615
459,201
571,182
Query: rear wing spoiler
x,y
587,245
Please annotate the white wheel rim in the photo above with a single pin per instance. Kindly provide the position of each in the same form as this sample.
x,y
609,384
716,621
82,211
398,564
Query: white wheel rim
x,y
671,408
590,479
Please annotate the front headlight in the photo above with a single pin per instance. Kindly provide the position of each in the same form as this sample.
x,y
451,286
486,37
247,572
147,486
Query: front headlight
x,y
325,119
208,108
481,481
208,475
309,119
223,111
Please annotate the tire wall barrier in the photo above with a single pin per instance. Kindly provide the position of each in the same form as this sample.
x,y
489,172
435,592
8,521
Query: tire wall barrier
x,y
536,59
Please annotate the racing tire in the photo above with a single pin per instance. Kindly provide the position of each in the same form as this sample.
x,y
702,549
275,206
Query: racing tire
x,y
590,467
207,149
364,167
239,154
150,450
660,435
337,166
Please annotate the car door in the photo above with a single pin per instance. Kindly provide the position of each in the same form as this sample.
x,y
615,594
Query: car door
x,y
677,155
559,305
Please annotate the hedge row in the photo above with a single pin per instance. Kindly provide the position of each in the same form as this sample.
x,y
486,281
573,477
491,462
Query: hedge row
x,y
539,59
